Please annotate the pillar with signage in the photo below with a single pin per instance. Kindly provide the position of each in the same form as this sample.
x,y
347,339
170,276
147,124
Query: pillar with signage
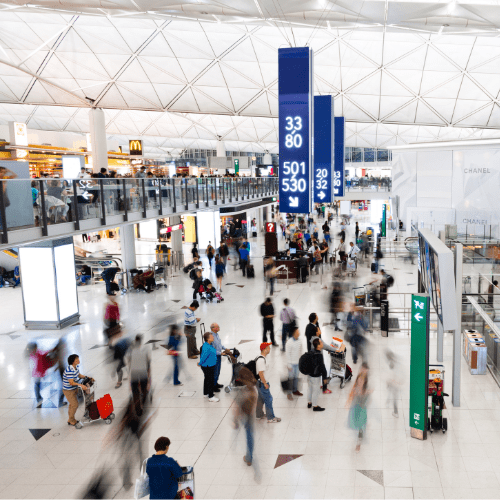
x,y
296,128
271,239
323,148
48,281
419,365
98,139
384,318
339,165
383,232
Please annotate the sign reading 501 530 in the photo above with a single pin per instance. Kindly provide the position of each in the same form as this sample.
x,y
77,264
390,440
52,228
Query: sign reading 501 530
x,y
295,129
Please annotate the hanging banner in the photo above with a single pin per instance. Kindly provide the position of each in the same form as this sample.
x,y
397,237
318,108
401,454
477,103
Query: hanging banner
x,y
339,165
323,148
419,365
295,129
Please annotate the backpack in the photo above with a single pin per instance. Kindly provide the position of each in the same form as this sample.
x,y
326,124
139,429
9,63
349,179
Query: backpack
x,y
252,366
305,365
390,280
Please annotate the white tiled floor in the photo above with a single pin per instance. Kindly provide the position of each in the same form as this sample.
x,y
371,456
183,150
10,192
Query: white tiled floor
x,y
464,463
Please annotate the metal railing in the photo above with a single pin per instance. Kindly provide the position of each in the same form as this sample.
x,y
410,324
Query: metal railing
x,y
369,185
45,203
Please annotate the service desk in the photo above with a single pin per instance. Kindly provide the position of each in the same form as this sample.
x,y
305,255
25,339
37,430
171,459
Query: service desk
x,y
290,265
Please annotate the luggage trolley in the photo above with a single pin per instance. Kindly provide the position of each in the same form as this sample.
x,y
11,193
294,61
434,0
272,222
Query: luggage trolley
x,y
235,360
102,409
338,366
436,421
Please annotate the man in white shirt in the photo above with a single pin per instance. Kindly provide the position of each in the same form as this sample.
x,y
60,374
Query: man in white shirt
x,y
265,397
293,353
353,251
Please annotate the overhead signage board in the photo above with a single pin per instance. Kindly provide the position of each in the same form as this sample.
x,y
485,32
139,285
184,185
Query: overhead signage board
x,y
339,165
296,126
419,365
323,148
135,147
236,166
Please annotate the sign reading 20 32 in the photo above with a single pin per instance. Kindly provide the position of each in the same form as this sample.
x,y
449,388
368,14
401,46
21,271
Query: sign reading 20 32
x,y
295,129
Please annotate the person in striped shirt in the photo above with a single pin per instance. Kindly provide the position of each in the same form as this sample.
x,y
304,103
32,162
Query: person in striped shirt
x,y
190,321
71,376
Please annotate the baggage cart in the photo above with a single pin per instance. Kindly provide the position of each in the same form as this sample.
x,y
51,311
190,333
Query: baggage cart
x,y
359,296
89,399
338,366
351,267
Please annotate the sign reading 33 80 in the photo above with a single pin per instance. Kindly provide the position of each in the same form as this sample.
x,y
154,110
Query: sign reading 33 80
x,y
295,129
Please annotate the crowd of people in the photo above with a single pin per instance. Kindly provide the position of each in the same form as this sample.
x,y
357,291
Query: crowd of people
x,y
132,358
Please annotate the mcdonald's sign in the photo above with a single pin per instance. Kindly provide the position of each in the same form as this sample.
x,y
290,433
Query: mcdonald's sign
x,y
135,147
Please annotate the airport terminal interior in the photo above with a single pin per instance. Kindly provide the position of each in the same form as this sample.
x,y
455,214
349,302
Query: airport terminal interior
x,y
250,249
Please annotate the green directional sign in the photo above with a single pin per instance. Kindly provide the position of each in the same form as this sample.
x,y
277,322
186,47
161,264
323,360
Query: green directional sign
x,y
236,165
384,221
419,365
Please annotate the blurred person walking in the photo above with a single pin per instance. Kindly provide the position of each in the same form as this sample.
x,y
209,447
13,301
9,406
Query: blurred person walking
x,y
357,327
270,272
357,403
337,304
244,252
265,396
208,361
267,313
244,411
173,351
224,253
190,329
289,320
40,363
120,351
140,373
59,360
293,353
394,381
210,253
220,270
111,318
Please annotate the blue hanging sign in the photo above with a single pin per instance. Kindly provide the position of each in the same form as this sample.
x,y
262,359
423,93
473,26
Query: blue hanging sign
x,y
323,148
295,129
339,165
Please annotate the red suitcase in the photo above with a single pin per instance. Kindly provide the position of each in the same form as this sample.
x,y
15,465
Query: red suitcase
x,y
105,406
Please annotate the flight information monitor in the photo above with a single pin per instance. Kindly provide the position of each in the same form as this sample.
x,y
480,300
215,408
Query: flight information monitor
x,y
295,129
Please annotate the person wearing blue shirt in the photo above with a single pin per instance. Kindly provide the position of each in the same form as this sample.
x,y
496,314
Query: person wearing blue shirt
x,y
244,253
208,361
163,472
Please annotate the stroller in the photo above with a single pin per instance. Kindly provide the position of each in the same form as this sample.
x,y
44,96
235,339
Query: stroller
x,y
207,291
235,359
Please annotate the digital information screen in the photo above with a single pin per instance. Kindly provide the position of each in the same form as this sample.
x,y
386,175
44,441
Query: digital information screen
x,y
323,148
339,166
295,129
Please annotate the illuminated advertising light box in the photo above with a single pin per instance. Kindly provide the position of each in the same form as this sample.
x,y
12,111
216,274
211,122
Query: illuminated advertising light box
x,y
48,280
323,148
296,109
72,166
339,162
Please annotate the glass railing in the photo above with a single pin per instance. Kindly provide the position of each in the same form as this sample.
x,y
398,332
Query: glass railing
x,y
364,185
44,202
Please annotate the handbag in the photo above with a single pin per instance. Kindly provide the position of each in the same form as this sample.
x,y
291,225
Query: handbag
x,y
142,483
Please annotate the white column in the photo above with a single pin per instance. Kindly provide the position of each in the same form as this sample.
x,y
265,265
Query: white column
x,y
127,239
176,239
98,139
221,150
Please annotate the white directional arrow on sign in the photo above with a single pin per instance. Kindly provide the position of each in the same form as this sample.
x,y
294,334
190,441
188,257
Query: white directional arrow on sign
x,y
418,317
86,195
321,195
294,202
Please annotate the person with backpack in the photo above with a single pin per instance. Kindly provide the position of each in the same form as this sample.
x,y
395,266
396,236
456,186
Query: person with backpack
x,y
210,253
220,270
316,373
258,368
293,352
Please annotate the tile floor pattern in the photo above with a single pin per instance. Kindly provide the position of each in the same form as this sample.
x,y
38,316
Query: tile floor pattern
x,y
41,457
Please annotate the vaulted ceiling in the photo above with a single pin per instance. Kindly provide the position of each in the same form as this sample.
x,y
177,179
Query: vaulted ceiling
x,y
183,74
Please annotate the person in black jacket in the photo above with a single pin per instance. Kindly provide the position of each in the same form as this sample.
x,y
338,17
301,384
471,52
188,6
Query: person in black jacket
x,y
317,375
312,329
267,313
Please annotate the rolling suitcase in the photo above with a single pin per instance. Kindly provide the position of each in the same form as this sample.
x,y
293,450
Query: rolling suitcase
x,y
105,406
250,272
93,411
